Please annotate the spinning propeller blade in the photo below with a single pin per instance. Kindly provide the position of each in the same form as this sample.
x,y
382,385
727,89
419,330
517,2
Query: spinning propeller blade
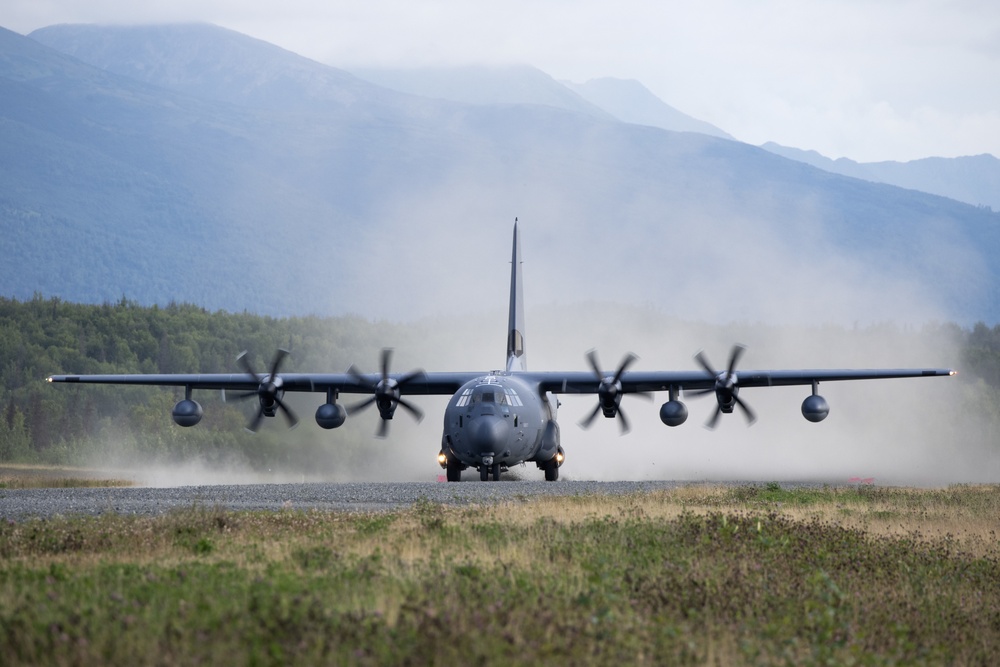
x,y
609,392
269,392
726,387
386,393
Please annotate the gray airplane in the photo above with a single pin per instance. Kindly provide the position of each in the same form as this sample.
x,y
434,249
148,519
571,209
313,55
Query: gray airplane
x,y
501,418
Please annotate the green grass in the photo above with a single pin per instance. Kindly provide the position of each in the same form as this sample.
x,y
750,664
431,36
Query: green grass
x,y
696,576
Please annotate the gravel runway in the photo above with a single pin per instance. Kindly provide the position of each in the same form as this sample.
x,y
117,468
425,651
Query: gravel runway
x,y
17,504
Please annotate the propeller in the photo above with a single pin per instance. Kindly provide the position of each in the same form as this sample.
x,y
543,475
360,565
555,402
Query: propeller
x,y
269,391
386,393
726,387
609,392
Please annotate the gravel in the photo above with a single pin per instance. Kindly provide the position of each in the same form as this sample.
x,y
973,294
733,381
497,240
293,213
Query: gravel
x,y
16,504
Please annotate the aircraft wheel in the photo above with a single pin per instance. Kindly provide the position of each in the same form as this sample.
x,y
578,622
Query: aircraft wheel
x,y
496,472
484,473
454,471
551,470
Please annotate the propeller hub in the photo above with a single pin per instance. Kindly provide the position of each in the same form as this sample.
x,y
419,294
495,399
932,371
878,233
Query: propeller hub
x,y
269,391
609,391
726,387
386,392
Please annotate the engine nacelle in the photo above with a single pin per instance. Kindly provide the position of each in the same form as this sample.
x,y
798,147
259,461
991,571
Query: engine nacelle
x,y
673,413
815,408
330,415
187,413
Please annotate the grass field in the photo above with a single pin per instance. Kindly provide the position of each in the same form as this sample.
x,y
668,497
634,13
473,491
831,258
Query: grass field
x,y
744,575
15,476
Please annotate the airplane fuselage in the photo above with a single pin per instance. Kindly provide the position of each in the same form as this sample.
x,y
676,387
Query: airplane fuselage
x,y
497,421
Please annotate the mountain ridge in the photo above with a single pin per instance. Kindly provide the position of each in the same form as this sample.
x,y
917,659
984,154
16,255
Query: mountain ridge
x,y
631,102
393,205
973,179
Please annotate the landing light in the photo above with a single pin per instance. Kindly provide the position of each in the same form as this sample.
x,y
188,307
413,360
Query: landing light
x,y
442,459
559,457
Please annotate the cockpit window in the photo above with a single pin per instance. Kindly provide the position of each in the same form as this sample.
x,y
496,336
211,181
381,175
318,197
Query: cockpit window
x,y
490,397
511,396
488,393
463,400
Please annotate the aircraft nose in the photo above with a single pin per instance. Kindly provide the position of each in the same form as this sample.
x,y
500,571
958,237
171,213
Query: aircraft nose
x,y
488,433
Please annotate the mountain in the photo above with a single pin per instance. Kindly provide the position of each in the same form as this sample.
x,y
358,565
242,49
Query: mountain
x,y
631,102
212,63
191,163
973,179
483,85
625,100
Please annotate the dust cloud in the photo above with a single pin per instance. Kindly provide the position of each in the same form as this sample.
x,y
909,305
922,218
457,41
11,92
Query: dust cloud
x,y
908,431
662,283
919,431
788,295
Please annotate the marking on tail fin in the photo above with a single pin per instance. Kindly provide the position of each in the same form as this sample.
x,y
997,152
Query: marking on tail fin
x,y
516,359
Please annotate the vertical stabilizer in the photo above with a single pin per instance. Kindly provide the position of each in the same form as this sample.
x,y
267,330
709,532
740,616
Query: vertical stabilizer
x,y
515,321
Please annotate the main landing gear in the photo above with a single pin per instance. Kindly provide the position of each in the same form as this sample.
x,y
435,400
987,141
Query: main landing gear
x,y
551,467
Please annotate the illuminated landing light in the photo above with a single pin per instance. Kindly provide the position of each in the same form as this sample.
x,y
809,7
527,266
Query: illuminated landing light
x,y
952,372
559,457
442,459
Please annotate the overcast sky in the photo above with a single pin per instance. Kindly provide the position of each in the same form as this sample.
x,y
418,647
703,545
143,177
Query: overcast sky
x,y
865,79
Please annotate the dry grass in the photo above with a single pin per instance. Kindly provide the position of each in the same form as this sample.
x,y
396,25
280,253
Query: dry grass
x,y
697,575
966,514
20,476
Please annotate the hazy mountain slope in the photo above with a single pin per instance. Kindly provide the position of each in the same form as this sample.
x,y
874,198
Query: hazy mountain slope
x,y
974,179
396,206
213,63
122,187
631,102
88,167
483,85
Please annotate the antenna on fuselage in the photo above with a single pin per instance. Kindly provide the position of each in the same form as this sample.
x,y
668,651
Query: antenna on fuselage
x,y
516,360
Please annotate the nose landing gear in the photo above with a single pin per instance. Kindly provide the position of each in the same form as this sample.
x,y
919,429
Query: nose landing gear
x,y
489,468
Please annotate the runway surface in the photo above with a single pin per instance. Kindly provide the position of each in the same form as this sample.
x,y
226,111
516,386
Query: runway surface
x,y
17,504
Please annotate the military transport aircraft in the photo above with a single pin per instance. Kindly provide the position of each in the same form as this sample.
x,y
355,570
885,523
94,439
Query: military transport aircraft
x,y
500,418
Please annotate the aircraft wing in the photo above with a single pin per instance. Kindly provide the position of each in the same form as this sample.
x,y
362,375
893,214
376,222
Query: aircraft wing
x,y
801,377
576,382
419,383
651,381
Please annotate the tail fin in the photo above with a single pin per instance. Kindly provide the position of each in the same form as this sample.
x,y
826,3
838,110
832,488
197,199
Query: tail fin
x,y
516,360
